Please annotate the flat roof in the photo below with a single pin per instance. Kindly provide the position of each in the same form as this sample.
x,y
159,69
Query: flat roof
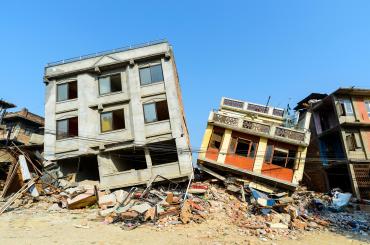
x,y
112,51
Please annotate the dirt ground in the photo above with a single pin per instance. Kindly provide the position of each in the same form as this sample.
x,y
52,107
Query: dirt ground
x,y
82,227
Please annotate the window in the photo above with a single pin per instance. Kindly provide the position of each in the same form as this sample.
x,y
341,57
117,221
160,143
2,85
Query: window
x,y
243,147
67,91
353,141
110,84
216,138
112,120
367,105
281,157
157,111
345,107
67,128
163,152
268,154
27,131
151,74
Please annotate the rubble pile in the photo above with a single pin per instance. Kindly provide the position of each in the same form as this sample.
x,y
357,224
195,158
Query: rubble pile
x,y
255,212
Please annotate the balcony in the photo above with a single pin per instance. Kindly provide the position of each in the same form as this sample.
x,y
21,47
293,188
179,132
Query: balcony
x,y
251,107
271,131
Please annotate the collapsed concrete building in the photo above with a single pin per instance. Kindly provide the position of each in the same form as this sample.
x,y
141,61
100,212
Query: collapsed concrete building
x,y
256,141
117,116
340,141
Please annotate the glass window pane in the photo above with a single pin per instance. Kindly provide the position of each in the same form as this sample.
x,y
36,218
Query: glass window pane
x,y
72,90
104,85
348,107
62,129
150,114
145,76
106,121
62,92
268,154
156,73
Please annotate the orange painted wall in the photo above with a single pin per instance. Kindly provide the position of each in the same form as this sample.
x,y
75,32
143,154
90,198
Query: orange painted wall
x,y
245,163
276,171
212,153
361,108
242,162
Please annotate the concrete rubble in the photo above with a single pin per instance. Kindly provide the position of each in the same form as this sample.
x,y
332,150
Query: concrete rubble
x,y
267,216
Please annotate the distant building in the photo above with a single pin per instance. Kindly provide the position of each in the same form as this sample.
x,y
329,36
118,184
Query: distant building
x,y
256,141
21,128
117,116
340,140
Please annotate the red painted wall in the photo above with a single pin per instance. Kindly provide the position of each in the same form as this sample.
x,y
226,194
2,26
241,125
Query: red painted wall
x,y
359,104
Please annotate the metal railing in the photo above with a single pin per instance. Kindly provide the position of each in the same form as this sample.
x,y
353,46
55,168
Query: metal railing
x,y
88,56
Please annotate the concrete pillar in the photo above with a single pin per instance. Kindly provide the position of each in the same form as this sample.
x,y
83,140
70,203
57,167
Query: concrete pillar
x,y
260,156
299,162
206,138
136,107
148,160
50,124
224,146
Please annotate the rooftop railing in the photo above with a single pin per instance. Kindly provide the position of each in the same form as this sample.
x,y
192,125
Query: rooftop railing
x,y
88,56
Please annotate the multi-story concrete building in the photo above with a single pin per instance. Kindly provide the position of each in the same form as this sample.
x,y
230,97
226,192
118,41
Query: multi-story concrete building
x,y
340,140
117,116
256,141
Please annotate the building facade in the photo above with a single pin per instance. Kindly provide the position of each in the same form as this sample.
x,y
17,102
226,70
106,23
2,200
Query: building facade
x,y
21,128
340,127
255,141
120,113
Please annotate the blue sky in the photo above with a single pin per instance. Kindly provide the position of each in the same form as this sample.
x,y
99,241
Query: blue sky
x,y
241,49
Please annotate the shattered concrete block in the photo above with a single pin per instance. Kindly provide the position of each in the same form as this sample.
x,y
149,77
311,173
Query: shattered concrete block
x,y
141,208
81,201
106,212
120,195
108,200
129,215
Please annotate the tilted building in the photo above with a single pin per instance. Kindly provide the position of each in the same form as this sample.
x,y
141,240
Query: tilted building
x,y
340,139
257,142
117,116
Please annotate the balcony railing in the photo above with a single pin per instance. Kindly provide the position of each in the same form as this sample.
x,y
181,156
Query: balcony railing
x,y
257,108
257,127
270,131
234,103
253,107
278,112
231,121
290,134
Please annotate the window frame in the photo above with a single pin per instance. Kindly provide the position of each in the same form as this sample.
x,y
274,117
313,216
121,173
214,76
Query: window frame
x,y
149,66
156,111
110,83
346,104
68,136
367,106
68,84
251,143
112,112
